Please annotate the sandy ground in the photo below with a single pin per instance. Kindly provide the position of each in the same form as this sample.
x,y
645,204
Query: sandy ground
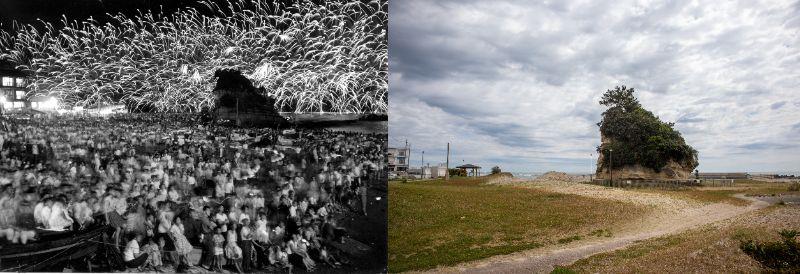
x,y
670,215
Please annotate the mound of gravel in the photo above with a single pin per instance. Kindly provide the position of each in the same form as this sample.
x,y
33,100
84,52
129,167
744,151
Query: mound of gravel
x,y
500,179
555,176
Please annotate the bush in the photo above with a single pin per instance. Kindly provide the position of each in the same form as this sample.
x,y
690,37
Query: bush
x,y
781,256
794,186
562,270
496,170
637,136
457,172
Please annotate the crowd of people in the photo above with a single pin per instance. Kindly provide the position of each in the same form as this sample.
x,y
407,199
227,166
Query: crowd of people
x,y
250,199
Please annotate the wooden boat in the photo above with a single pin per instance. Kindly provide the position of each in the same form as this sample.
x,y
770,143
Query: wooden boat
x,y
51,248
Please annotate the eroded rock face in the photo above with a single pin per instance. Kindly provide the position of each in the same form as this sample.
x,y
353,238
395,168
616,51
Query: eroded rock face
x,y
672,171
238,100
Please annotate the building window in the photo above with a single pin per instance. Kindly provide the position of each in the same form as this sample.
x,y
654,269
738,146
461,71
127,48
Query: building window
x,y
20,82
8,81
20,95
19,104
34,104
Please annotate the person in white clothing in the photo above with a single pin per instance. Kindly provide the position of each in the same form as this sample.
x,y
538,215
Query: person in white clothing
x,y
133,256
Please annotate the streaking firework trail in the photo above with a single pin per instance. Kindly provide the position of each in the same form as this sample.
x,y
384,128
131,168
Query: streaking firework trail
x,y
329,57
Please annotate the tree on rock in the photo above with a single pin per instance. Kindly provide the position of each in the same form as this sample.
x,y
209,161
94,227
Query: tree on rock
x,y
639,139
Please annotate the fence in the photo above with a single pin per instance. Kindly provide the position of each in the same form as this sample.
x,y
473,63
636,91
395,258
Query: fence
x,y
663,184
716,182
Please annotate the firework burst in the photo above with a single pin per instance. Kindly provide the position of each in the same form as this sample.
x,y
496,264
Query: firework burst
x,y
329,57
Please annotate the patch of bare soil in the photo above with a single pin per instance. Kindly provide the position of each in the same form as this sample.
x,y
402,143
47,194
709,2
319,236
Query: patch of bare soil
x,y
670,215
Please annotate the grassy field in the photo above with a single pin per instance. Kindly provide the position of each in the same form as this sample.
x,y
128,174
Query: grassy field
x,y
434,223
711,248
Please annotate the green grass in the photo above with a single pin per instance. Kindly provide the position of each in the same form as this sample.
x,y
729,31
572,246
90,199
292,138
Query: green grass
x,y
562,270
570,239
435,223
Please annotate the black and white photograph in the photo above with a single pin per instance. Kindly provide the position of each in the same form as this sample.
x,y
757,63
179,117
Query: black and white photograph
x,y
193,136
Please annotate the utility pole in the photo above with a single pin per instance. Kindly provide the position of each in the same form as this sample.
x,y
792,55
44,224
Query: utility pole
x,y
447,165
408,159
610,167
422,163
590,167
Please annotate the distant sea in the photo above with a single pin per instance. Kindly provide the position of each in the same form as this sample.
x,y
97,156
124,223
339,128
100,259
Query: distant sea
x,y
531,175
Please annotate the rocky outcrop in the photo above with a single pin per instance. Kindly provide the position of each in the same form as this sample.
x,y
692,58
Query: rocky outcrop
x,y
238,100
672,171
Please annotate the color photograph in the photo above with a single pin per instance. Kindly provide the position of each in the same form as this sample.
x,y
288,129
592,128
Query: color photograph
x,y
594,136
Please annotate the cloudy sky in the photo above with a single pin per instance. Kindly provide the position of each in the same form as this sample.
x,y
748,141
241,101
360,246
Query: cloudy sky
x,y
517,84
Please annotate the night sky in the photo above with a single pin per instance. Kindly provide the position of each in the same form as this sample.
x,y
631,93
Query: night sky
x,y
27,11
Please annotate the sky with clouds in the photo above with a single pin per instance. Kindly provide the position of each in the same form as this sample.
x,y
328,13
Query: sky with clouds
x,y
517,83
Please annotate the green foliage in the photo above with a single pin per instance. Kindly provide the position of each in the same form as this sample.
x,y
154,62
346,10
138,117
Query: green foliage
x,y
562,270
569,239
458,172
496,170
620,97
782,256
637,136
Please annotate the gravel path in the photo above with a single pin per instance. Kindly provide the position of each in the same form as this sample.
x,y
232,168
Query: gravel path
x,y
672,215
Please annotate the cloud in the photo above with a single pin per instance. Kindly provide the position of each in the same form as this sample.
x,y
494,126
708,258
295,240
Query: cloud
x,y
517,84
777,105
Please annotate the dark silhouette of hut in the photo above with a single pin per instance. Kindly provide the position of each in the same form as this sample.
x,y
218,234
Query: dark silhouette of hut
x,y
238,100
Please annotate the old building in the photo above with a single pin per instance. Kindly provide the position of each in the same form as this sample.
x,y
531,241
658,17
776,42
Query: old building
x,y
13,90
398,160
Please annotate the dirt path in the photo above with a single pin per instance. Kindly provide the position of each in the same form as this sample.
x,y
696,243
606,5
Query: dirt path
x,y
671,215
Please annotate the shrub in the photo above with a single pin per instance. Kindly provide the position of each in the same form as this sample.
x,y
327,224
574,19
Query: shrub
x,y
496,170
794,186
781,256
562,270
458,172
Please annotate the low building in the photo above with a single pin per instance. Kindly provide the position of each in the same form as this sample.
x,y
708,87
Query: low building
x,y
433,172
398,160
416,173
13,88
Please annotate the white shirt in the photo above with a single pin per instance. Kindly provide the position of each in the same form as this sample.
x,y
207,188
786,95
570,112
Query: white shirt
x,y
131,250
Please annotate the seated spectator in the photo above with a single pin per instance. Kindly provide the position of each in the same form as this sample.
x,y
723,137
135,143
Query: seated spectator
x,y
133,257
